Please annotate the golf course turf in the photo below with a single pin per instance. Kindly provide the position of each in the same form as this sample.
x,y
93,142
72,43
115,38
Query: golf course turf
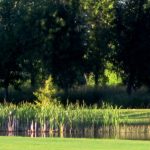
x,y
25,143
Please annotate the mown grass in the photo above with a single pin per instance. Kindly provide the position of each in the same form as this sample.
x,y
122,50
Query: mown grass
x,y
135,116
18,143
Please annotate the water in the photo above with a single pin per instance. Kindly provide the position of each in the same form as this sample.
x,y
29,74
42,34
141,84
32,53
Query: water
x,y
124,132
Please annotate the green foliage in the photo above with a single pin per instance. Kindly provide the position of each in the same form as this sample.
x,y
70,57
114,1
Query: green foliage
x,y
112,77
45,94
68,48
9,48
132,34
99,21
72,40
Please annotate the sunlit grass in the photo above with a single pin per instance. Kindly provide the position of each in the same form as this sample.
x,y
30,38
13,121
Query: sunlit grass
x,y
17,143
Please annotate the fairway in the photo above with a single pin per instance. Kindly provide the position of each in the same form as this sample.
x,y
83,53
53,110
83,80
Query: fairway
x,y
24,143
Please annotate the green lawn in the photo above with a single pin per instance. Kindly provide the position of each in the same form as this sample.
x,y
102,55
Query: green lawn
x,y
23,143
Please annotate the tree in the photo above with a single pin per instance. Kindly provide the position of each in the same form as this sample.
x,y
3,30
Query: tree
x,y
35,28
68,48
9,48
99,22
132,32
23,36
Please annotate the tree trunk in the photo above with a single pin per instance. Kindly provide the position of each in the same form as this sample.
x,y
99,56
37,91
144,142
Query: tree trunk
x,y
32,74
66,90
129,89
6,94
32,80
130,84
96,77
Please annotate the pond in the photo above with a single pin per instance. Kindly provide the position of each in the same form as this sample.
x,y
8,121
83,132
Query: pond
x,y
132,132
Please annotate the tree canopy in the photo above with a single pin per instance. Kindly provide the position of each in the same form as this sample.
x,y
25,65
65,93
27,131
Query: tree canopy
x,y
70,39
132,34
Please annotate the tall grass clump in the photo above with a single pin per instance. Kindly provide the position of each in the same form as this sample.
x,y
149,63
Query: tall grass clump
x,y
49,115
110,116
45,116
26,114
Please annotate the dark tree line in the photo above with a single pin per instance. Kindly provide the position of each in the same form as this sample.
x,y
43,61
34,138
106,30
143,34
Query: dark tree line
x,y
133,42
71,39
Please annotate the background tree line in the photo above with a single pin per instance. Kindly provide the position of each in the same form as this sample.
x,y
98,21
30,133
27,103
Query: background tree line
x,y
71,39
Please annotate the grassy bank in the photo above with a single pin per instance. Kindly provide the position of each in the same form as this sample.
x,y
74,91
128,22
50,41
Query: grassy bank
x,y
17,143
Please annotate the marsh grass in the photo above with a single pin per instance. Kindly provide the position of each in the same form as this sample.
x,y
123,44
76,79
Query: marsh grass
x,y
54,117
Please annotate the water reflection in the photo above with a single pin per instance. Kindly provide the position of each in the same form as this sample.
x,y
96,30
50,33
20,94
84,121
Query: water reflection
x,y
128,132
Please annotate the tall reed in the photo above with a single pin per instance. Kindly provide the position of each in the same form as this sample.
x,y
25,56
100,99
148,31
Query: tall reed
x,y
54,117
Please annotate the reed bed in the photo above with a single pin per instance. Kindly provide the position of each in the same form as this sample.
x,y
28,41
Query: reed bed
x,y
54,117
